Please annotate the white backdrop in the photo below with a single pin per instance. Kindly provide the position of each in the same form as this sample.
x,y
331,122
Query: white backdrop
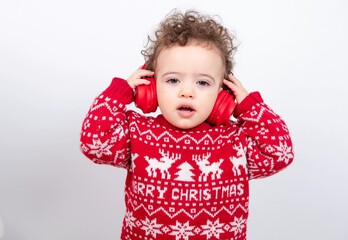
x,y
56,56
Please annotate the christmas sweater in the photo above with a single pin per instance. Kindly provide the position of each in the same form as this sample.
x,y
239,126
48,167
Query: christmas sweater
x,y
185,184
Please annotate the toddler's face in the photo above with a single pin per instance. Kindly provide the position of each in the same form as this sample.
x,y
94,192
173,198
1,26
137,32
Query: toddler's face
x,y
188,80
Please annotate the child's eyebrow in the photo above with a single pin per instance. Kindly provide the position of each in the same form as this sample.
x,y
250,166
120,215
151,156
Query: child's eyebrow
x,y
206,75
170,73
198,75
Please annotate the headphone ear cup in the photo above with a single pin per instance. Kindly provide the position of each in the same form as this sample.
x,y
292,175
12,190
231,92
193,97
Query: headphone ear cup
x,y
222,109
146,97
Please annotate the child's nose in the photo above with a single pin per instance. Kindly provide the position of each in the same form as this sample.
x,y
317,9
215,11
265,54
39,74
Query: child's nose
x,y
186,91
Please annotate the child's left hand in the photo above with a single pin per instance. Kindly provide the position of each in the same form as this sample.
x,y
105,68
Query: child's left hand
x,y
236,87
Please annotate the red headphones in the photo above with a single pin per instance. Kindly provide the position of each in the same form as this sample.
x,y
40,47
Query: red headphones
x,y
146,100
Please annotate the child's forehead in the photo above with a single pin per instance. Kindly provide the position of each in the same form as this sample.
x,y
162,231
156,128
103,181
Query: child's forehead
x,y
191,59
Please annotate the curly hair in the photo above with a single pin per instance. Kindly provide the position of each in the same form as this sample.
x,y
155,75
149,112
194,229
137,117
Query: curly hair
x,y
183,28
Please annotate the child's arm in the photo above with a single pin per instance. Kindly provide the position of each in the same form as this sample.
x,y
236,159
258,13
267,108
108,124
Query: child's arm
x,y
269,146
105,134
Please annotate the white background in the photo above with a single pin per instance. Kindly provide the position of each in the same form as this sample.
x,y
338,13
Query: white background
x,y
56,56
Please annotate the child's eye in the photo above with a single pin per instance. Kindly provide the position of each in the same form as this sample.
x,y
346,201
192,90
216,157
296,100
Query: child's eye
x,y
172,80
203,83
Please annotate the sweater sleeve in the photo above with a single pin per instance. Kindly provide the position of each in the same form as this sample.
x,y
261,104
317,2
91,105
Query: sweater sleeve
x,y
269,146
104,135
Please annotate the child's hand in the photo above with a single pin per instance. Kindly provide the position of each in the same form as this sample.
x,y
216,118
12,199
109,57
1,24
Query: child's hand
x,y
138,77
236,87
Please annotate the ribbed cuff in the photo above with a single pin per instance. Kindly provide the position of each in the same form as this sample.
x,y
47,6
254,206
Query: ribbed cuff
x,y
247,103
120,89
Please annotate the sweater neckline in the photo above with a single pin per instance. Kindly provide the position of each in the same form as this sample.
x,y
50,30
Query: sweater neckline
x,y
201,127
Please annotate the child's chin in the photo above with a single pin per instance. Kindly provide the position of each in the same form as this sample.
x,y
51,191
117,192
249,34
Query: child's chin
x,y
186,125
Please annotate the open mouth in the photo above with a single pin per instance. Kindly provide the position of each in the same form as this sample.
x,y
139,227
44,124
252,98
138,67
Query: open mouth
x,y
186,109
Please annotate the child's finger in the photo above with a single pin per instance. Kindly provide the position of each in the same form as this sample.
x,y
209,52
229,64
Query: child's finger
x,y
143,73
142,81
234,80
229,84
133,83
236,87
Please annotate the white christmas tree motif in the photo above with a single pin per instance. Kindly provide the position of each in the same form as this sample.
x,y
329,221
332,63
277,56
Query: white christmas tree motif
x,y
185,173
98,148
213,229
182,230
284,152
151,227
238,224
130,220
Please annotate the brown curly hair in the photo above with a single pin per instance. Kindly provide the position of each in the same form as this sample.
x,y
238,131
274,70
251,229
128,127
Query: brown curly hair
x,y
181,28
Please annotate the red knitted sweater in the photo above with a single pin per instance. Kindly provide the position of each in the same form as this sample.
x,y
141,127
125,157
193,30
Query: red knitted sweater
x,y
185,184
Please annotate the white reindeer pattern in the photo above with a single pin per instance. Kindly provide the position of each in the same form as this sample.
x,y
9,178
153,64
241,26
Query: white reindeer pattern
x,y
207,168
239,161
162,165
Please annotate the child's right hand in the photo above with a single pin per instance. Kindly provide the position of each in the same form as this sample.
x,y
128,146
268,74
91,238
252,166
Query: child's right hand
x,y
138,77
